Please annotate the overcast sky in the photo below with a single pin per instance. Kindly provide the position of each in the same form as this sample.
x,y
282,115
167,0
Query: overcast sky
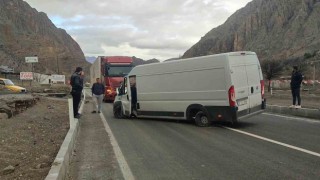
x,y
147,29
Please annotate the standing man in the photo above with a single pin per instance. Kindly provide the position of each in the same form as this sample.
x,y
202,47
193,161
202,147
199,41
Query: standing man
x,y
296,79
97,93
134,99
76,82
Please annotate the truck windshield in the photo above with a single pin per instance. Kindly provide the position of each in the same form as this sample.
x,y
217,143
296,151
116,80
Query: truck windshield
x,y
117,71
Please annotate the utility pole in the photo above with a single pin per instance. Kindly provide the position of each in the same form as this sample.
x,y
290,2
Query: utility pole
x,y
32,60
57,59
314,72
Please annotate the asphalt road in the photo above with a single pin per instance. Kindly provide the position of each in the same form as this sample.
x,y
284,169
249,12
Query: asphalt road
x,y
162,149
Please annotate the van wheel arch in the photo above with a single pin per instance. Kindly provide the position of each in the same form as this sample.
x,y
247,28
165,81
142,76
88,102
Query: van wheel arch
x,y
192,110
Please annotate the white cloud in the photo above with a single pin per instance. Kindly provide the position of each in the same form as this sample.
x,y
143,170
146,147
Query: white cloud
x,y
141,28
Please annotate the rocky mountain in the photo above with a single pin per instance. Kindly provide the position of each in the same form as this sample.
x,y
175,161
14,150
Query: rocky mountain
x,y
26,32
90,59
274,29
173,59
138,61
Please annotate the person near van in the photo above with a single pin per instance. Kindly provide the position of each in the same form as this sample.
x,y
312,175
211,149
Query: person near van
x,y
76,81
295,84
134,100
97,93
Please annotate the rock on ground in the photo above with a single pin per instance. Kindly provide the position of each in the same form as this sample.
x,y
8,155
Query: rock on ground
x,y
8,170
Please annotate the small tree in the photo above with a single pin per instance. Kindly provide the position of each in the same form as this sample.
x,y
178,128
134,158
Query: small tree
x,y
304,68
271,69
310,55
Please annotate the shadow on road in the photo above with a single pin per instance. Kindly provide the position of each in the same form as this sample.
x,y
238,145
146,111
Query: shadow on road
x,y
163,120
239,125
219,124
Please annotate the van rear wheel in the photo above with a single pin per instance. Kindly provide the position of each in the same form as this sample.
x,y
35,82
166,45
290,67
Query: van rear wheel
x,y
202,119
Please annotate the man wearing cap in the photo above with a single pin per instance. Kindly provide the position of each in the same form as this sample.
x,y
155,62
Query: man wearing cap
x,y
76,82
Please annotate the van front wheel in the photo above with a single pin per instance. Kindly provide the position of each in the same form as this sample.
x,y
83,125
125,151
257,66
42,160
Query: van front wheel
x,y
117,112
202,119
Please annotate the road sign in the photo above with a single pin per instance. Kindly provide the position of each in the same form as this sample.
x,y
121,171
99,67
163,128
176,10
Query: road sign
x,y
26,76
31,59
58,78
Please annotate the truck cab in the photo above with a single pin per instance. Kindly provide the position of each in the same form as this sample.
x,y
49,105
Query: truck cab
x,y
111,70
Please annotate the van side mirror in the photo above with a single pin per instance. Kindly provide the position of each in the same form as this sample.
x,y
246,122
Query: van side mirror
x,y
117,90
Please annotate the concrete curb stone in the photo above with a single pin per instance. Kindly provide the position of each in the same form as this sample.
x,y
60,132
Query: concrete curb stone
x,y
303,112
61,163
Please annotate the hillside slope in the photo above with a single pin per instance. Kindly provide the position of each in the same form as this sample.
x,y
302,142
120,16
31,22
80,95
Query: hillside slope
x,y
275,29
26,32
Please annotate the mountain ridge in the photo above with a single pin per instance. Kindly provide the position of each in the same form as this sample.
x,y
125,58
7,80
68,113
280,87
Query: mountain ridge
x,y
136,61
26,32
274,29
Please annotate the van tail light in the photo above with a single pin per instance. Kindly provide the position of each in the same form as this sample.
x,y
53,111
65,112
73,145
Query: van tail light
x,y
262,88
232,97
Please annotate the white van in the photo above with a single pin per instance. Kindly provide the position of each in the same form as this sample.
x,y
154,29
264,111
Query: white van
x,y
218,87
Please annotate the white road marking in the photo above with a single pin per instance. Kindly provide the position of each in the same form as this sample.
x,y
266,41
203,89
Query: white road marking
x,y
275,142
293,118
125,169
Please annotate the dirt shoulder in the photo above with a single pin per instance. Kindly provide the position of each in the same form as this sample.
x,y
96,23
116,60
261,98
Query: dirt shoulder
x,y
284,98
30,141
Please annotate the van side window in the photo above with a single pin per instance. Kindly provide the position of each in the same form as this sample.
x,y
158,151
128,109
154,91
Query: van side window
x,y
123,87
120,88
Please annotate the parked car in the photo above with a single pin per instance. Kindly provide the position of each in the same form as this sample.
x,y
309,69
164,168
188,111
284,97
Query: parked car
x,y
9,85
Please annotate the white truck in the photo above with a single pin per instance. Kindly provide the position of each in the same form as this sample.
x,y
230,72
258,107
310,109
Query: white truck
x,y
203,89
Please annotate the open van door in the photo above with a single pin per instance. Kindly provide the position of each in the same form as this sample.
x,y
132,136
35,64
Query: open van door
x,y
125,98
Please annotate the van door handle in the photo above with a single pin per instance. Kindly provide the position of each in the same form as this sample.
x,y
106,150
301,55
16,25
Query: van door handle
x,y
252,90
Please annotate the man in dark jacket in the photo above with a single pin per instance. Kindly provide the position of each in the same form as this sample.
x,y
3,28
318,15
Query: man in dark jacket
x,y
97,93
134,99
133,90
296,79
76,82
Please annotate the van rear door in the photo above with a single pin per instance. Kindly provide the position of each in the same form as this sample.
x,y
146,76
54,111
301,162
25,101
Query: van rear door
x,y
245,76
240,83
253,75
